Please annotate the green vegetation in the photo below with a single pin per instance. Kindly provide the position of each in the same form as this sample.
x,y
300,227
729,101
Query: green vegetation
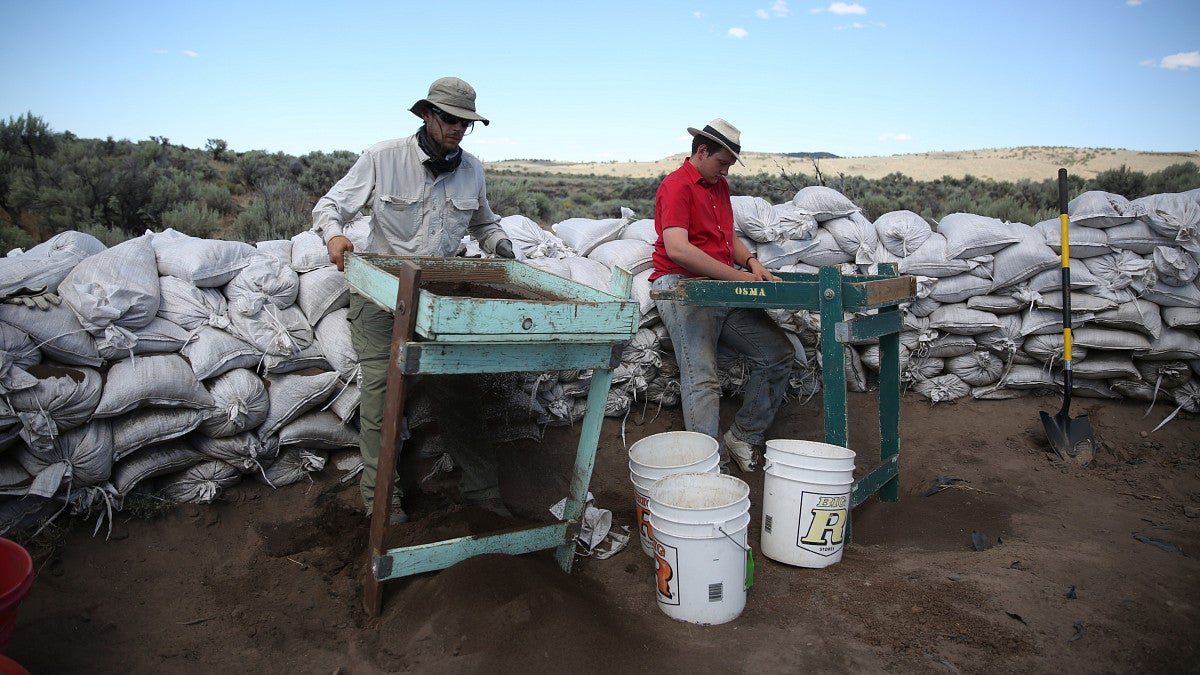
x,y
51,182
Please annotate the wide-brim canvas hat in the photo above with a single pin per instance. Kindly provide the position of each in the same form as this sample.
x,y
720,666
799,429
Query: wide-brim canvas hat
x,y
451,95
724,133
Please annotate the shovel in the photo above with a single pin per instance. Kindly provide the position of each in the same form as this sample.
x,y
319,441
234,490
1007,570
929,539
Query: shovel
x,y
1068,437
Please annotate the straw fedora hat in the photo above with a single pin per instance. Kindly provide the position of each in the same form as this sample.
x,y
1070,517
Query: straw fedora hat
x,y
724,133
451,95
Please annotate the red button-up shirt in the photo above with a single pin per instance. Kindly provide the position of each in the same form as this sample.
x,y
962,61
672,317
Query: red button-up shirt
x,y
685,200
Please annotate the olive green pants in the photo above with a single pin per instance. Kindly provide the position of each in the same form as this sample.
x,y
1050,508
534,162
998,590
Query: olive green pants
x,y
462,431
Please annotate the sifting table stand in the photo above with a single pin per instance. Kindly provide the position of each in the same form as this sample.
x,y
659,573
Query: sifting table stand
x,y
466,315
835,294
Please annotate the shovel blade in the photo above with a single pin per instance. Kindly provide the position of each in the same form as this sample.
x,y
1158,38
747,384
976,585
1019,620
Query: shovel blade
x,y
1070,437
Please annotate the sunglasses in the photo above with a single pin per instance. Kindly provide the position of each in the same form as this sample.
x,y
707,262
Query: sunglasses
x,y
451,119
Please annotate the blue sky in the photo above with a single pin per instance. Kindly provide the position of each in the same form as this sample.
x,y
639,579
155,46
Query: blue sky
x,y
615,80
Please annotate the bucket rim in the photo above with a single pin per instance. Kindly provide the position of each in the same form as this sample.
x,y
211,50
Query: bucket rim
x,y
823,450
692,435
667,482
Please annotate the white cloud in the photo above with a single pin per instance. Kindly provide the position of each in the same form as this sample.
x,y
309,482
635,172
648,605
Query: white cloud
x,y
780,8
1180,61
738,33
844,8
889,136
188,52
762,14
697,15
1133,3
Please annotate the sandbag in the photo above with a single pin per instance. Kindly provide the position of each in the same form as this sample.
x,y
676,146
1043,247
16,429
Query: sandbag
x,y
214,351
308,252
1105,365
959,319
48,263
114,290
902,232
930,259
204,263
529,240
158,336
1139,315
200,483
244,451
1174,266
642,230
292,395
1096,208
189,307
319,429
855,234
155,380
60,399
149,426
948,387
585,234
1086,242
56,331
332,334
321,291
633,255
264,280
292,466
80,457
754,218
968,235
977,369
1172,215
18,353
240,403
823,203
156,460
1020,261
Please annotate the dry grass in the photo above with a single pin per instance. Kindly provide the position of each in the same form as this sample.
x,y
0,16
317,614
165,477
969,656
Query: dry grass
x,y
1002,164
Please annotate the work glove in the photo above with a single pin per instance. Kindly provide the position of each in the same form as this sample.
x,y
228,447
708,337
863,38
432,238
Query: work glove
x,y
32,297
504,249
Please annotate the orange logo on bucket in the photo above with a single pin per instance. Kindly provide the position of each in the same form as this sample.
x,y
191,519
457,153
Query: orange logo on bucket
x,y
665,560
643,513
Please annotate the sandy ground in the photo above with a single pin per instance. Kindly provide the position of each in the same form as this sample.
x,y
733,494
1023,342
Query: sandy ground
x,y
1093,569
1002,164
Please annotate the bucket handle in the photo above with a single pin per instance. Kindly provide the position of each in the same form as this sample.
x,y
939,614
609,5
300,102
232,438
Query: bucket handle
x,y
749,581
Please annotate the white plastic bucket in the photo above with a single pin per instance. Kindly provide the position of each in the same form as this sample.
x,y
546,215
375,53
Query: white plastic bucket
x,y
700,523
664,454
806,502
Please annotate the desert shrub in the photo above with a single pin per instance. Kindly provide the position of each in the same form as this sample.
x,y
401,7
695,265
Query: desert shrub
x,y
280,211
194,218
216,197
1122,181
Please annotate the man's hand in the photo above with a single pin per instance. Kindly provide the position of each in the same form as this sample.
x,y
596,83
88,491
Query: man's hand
x,y
504,249
760,271
337,248
32,298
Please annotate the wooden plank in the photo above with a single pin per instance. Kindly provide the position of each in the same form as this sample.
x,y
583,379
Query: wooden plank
x,y
402,562
404,317
870,483
833,359
868,327
501,357
471,319
585,459
773,294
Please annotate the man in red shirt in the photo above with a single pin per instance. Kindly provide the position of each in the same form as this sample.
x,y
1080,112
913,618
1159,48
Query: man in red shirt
x,y
694,220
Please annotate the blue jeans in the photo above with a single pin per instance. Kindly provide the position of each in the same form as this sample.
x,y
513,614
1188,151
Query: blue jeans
x,y
698,333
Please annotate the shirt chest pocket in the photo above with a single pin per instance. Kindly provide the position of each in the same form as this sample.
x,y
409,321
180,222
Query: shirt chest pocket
x,y
458,213
399,216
